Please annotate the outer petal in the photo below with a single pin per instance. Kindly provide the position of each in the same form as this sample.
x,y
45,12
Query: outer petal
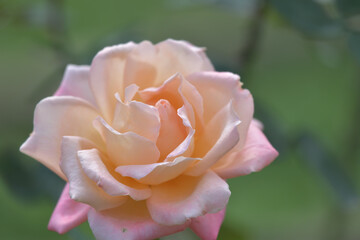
x,y
207,227
218,89
67,213
180,57
150,65
128,222
82,188
186,197
76,83
96,170
123,148
54,118
256,154
141,68
157,173
106,76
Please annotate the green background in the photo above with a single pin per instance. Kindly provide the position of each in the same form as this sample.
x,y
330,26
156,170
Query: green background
x,y
302,69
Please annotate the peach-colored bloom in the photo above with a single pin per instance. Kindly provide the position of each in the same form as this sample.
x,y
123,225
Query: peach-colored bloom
x,y
145,137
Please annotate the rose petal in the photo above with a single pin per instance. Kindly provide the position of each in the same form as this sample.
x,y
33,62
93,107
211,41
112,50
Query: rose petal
x,y
130,221
137,117
76,83
82,188
186,147
150,65
207,226
219,137
96,170
254,156
181,57
178,91
141,68
187,197
130,92
106,76
172,130
168,90
123,148
68,213
218,89
215,88
157,173
54,118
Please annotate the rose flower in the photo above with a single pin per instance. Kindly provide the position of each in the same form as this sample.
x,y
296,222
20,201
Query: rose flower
x,y
145,138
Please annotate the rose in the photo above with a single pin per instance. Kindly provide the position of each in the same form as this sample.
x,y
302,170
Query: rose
x,y
145,137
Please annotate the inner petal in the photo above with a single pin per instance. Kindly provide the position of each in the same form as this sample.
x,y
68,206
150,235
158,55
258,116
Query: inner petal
x,y
126,148
172,131
178,91
136,117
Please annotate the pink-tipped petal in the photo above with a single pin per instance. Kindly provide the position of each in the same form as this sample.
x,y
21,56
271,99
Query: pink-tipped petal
x,y
128,222
207,227
76,83
186,197
82,188
67,213
254,156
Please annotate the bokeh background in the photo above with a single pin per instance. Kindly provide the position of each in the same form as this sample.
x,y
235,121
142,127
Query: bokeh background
x,y
299,58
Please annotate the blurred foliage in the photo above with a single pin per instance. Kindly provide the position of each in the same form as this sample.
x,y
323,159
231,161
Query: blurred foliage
x,y
308,16
322,161
354,40
299,58
348,8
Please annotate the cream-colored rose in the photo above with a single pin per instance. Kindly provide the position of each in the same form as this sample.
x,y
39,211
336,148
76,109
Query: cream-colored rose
x,y
145,137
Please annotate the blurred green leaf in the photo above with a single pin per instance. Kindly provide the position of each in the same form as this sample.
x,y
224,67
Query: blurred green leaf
x,y
324,163
307,16
354,45
273,129
27,181
226,232
48,182
48,86
17,177
348,8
